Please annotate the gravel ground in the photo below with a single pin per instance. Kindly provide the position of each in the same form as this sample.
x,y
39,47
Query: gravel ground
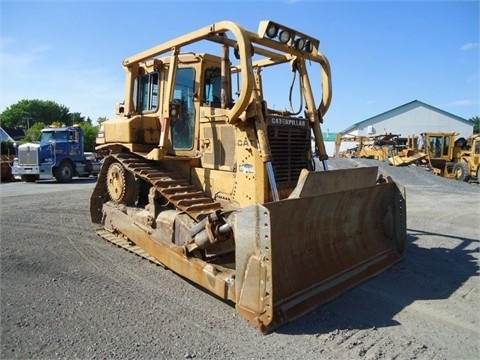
x,y
67,294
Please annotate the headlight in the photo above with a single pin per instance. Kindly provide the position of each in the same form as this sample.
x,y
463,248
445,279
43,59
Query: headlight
x,y
284,36
308,46
272,31
288,36
101,132
299,44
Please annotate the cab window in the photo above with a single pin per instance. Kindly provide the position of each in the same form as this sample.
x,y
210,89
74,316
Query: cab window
x,y
446,146
147,93
182,129
47,136
213,87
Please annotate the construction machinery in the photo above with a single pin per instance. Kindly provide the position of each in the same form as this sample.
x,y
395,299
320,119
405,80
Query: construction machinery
x,y
204,178
453,158
379,147
409,154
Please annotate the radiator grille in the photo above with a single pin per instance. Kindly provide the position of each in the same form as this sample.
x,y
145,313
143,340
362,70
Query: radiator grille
x,y
289,142
28,157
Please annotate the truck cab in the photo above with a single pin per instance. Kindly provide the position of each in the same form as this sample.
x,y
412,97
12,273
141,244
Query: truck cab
x,y
59,154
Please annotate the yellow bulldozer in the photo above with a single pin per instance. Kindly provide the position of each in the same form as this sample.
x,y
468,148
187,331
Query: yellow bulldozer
x,y
205,178
453,158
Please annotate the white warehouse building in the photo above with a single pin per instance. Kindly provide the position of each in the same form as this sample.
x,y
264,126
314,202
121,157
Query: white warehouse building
x,y
412,118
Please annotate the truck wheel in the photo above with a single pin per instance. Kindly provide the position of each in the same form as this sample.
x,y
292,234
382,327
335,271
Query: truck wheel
x,y
29,178
64,173
460,171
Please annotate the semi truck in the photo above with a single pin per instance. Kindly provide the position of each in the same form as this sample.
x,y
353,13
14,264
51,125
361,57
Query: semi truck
x,y
59,154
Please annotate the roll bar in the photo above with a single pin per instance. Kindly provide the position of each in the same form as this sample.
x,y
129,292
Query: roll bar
x,y
266,42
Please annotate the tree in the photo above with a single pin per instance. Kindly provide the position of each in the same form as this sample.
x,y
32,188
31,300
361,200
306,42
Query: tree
x,y
27,112
101,119
90,134
476,124
34,131
75,118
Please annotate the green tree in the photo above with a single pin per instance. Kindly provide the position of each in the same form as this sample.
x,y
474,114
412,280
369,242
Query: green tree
x,y
33,133
101,119
90,134
25,113
476,124
76,118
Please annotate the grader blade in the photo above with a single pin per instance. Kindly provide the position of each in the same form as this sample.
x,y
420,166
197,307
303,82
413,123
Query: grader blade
x,y
295,254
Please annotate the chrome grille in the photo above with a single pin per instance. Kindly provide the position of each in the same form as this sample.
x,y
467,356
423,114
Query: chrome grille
x,y
28,156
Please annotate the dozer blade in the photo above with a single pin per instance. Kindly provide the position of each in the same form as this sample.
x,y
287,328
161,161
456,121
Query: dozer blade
x,y
339,229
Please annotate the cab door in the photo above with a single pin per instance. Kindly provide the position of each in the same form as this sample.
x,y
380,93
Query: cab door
x,y
182,128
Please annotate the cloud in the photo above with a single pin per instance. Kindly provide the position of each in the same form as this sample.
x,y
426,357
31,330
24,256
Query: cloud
x,y
469,46
18,63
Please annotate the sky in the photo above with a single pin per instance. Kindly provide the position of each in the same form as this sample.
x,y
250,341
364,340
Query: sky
x,y
383,54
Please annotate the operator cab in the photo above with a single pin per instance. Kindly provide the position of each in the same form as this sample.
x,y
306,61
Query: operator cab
x,y
198,84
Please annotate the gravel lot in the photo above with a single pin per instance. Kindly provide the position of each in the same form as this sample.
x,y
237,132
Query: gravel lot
x,y
68,294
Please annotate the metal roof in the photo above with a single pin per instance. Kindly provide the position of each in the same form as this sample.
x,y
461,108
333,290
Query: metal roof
x,y
4,136
407,106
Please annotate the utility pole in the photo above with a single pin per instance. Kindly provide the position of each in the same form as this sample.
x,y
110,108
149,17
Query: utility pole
x,y
27,119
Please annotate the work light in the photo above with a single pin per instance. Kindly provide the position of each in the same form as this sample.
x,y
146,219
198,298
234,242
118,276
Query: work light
x,y
308,46
272,31
284,36
299,43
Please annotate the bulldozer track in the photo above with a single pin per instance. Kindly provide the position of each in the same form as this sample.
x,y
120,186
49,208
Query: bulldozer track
x,y
175,189
127,245
170,185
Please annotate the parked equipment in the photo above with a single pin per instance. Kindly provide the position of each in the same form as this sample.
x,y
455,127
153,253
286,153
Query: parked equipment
x,y
223,191
6,162
59,154
458,159
409,154
379,147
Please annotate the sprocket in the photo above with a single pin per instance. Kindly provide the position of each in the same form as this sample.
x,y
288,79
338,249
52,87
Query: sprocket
x,y
121,184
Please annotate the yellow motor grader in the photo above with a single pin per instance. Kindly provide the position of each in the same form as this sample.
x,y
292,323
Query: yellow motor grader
x,y
455,159
205,178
